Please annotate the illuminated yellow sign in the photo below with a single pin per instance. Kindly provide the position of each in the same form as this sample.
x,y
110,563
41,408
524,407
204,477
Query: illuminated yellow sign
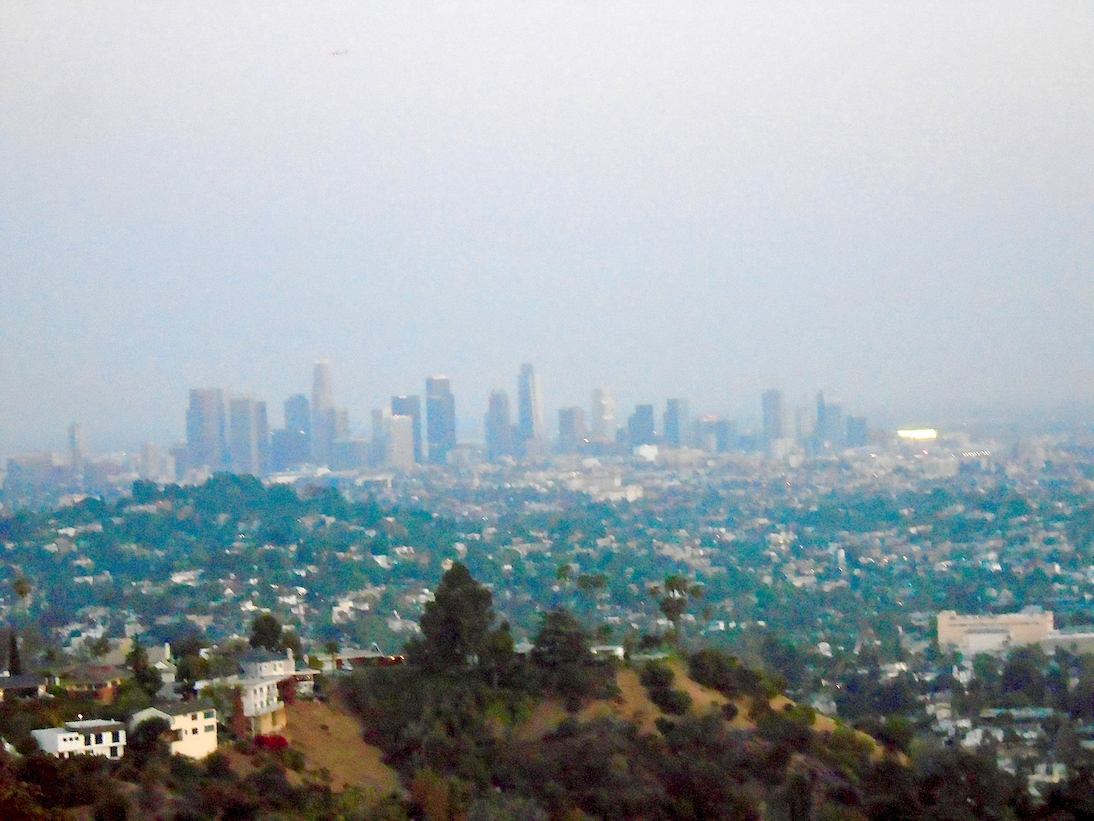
x,y
918,433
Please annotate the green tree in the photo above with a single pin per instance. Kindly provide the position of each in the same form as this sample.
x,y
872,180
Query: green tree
x,y
266,632
674,596
144,673
561,654
497,653
455,625
21,587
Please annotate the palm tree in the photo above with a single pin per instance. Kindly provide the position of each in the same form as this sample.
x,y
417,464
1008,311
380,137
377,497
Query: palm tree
x,y
22,589
674,596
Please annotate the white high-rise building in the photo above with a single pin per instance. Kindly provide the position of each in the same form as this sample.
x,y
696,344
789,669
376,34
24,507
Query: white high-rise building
x,y
400,443
602,418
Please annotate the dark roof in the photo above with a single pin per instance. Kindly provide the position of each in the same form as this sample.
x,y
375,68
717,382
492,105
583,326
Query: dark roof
x,y
260,654
26,681
181,708
94,675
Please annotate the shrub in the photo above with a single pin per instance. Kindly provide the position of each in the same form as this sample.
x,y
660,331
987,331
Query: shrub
x,y
673,702
274,743
655,675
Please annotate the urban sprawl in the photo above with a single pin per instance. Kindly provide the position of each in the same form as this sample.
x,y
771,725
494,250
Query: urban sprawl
x,y
935,581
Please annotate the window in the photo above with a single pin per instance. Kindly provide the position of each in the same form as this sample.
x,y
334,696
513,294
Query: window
x,y
113,752
194,731
209,713
210,728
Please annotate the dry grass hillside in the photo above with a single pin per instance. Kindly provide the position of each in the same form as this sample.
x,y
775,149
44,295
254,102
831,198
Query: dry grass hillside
x,y
633,704
330,737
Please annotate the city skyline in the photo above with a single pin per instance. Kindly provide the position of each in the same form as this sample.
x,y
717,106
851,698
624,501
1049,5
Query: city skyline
x,y
887,203
321,422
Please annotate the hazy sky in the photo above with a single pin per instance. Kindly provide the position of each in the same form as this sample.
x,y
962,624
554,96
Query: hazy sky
x,y
890,201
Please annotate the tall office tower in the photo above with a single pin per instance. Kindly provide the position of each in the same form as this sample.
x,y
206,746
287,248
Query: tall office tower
x,y
857,434
571,429
529,405
400,445
677,424
76,452
804,424
322,403
291,446
206,445
640,427
603,416
499,428
298,416
338,420
440,418
772,403
248,435
410,406
829,432
381,431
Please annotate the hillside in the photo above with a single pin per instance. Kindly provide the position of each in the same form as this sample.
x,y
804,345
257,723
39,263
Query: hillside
x,y
634,704
331,740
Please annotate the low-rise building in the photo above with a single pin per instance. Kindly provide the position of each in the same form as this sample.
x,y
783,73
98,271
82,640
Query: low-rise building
x,y
22,686
973,635
97,682
92,737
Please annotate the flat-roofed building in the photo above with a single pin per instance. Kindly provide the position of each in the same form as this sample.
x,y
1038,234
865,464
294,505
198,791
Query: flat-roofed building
x,y
973,635
104,738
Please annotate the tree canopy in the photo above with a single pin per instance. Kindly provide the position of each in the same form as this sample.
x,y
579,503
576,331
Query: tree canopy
x,y
456,624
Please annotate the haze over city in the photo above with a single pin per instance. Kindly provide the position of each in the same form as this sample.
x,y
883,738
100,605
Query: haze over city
x,y
895,205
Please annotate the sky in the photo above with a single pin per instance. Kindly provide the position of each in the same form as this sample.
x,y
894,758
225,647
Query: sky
x,y
892,202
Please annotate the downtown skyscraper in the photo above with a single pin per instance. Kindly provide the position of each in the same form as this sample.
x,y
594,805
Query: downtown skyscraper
x,y
322,408
410,406
499,428
248,436
771,404
529,405
440,416
602,416
206,442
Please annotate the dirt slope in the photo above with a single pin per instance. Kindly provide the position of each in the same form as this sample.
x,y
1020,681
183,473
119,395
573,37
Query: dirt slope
x,y
331,738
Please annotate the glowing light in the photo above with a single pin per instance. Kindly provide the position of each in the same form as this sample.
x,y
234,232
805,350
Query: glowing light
x,y
918,433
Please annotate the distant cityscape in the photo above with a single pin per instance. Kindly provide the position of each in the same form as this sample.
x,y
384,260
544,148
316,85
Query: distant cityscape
x,y
227,432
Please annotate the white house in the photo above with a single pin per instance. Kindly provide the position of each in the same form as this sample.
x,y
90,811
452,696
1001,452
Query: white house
x,y
262,707
105,738
193,726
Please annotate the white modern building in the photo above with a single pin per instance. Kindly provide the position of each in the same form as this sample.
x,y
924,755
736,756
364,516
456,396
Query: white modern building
x,y
105,738
193,726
